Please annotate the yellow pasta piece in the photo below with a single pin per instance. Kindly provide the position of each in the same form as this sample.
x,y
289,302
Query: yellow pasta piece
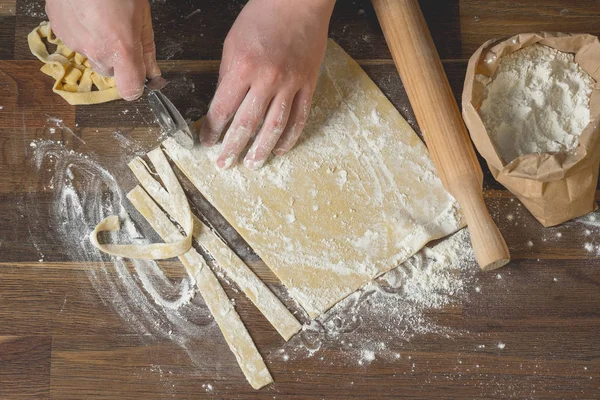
x,y
64,50
156,251
79,59
234,331
44,30
102,82
70,87
85,84
51,70
73,82
72,76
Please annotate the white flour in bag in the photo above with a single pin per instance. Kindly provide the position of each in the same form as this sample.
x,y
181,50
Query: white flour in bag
x,y
537,102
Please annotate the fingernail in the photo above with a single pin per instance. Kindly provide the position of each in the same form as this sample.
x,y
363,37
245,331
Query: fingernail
x,y
133,95
279,152
226,163
253,164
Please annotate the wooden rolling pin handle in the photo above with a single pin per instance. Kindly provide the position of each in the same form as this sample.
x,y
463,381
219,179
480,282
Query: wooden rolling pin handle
x,y
439,118
488,244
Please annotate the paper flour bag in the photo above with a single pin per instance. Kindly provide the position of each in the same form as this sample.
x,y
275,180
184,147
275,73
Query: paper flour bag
x,y
555,186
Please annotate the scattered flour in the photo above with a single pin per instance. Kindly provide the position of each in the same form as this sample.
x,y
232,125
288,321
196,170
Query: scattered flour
x,y
372,322
367,357
152,304
537,102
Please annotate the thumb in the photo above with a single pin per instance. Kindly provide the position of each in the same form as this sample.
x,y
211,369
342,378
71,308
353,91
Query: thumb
x,y
130,74
149,48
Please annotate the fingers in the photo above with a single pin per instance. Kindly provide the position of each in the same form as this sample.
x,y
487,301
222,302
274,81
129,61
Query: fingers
x,y
271,130
130,73
228,97
149,48
244,125
99,68
297,121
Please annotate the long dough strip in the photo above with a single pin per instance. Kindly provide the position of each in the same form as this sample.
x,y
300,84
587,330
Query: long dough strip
x,y
181,212
63,60
232,327
256,290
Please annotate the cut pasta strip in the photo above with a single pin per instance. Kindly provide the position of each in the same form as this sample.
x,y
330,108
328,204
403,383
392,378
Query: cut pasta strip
x,y
181,212
232,327
256,290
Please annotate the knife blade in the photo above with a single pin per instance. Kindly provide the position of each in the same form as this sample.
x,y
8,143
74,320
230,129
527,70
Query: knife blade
x,y
169,118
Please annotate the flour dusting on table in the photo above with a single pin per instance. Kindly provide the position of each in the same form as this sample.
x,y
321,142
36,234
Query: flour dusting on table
x,y
83,192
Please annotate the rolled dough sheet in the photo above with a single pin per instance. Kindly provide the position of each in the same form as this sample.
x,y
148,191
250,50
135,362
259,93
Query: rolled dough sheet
x,y
355,198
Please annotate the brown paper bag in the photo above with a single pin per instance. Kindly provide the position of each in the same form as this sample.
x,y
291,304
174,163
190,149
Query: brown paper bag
x,y
555,187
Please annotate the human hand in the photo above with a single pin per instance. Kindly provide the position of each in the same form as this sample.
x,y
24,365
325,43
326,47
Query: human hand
x,y
115,35
269,70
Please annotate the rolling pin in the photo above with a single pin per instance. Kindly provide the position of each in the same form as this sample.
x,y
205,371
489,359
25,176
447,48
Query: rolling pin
x,y
439,118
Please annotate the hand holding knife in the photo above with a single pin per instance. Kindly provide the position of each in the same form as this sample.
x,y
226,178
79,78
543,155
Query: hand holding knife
x,y
169,118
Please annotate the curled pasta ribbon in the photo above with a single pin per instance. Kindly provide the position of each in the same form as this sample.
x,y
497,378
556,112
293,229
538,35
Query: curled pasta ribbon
x,y
75,81
174,246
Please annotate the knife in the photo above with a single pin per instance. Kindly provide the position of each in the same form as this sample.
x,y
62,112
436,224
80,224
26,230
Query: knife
x,y
169,118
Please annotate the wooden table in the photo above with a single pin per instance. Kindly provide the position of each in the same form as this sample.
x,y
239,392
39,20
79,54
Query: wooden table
x,y
61,338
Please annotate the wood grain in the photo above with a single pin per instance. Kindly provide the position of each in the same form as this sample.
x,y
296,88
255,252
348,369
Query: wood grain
x,y
61,338
8,7
483,20
25,367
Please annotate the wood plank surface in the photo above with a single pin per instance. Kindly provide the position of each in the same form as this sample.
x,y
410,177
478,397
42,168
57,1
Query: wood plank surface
x,y
78,326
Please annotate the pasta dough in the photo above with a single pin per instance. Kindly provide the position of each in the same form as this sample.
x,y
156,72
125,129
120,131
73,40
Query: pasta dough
x,y
356,197
232,327
256,290
173,200
75,79
181,213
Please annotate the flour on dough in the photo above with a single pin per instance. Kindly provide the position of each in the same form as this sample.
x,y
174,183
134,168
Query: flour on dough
x,y
356,197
